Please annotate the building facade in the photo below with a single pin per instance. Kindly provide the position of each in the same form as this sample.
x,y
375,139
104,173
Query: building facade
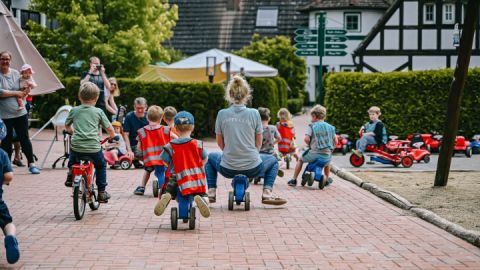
x,y
20,9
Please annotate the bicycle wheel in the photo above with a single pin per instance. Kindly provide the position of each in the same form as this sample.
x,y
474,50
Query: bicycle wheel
x,y
93,200
80,198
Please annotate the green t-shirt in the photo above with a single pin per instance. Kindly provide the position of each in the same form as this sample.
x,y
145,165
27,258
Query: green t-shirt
x,y
86,120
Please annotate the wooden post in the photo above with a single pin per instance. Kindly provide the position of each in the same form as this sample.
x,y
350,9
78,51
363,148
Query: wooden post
x,y
456,94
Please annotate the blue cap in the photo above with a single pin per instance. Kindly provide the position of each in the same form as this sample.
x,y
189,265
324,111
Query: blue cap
x,y
184,118
3,130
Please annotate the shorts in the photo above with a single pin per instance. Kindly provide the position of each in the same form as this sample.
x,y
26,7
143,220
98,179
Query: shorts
x,y
5,217
311,157
149,168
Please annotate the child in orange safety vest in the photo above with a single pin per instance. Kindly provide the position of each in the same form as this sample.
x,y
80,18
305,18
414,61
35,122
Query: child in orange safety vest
x,y
151,140
285,127
187,157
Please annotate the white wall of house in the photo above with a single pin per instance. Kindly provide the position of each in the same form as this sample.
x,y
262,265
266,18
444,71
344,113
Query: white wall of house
x,y
335,19
20,5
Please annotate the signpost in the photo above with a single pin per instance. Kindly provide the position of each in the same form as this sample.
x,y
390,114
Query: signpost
x,y
320,42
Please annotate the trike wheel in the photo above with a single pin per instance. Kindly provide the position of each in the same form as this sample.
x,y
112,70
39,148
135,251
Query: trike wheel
x,y
155,188
80,199
407,162
230,200
426,159
256,180
174,218
247,201
321,183
191,221
125,164
344,149
357,161
287,162
468,152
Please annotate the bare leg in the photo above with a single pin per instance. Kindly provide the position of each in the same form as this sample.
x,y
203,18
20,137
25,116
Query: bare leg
x,y
114,153
17,147
298,168
146,176
10,229
326,171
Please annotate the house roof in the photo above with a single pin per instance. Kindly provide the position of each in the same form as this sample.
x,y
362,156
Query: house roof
x,y
347,4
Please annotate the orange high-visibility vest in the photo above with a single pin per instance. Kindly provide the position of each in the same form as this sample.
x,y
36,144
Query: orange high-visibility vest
x,y
188,166
153,139
287,134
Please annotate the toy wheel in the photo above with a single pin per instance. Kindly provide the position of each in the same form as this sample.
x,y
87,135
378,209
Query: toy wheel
x,y
407,162
191,221
426,158
247,201
287,162
256,180
468,152
311,179
357,161
174,218
185,220
230,200
125,164
304,178
321,183
344,149
395,164
53,166
155,188
429,148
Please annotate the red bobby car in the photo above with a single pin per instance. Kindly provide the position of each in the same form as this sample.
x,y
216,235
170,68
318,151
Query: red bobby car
x,y
431,142
343,144
462,146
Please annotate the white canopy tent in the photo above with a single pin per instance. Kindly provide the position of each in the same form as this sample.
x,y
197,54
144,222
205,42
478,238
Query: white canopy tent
x,y
237,63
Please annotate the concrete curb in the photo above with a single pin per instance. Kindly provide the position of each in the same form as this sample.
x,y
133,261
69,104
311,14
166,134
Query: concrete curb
x,y
397,200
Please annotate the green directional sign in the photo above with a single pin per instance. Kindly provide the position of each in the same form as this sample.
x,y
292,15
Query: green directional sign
x,y
306,46
335,46
335,32
335,38
335,53
306,31
306,38
305,53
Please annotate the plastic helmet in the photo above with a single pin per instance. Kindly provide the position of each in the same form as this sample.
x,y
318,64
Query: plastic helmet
x,y
3,130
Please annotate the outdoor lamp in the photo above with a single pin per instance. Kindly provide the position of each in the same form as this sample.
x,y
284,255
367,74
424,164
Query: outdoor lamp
x,y
210,68
456,36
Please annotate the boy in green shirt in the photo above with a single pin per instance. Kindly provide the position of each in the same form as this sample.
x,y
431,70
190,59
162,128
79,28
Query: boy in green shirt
x,y
86,119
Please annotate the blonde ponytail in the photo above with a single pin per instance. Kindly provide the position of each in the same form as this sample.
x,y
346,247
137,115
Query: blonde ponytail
x,y
238,91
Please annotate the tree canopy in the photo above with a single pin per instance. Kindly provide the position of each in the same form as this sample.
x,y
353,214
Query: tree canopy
x,y
278,52
125,35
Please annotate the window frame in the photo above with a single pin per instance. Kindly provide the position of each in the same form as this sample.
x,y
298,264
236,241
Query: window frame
x,y
359,22
259,20
29,14
452,13
432,5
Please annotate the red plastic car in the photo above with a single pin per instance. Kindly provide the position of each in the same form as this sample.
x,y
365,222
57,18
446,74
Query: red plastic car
x,y
343,144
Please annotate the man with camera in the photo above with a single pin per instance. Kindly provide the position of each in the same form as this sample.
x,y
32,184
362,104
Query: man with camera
x,y
97,75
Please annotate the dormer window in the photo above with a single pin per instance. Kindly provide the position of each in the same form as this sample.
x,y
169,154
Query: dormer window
x,y
267,17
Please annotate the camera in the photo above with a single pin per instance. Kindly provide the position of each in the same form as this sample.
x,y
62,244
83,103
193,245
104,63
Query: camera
x,y
99,67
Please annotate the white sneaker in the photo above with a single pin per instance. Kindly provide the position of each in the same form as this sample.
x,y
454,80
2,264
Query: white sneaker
x,y
269,198
162,204
212,195
202,206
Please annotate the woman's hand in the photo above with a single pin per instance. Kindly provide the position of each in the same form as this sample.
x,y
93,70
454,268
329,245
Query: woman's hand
x,y
23,93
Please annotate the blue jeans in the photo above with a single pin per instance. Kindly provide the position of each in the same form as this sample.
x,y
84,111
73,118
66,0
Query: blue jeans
x,y
98,162
268,169
364,141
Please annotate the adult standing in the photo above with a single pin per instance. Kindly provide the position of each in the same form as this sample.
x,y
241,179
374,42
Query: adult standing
x,y
96,74
110,95
239,134
11,115
133,122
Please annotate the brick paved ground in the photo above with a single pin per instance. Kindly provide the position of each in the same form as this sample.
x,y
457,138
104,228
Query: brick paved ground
x,y
341,227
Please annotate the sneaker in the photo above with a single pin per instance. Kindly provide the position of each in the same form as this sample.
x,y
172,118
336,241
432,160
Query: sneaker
x,y
116,165
329,181
202,206
34,170
103,197
137,164
12,250
357,153
18,162
139,190
292,182
212,195
69,182
280,173
162,204
269,198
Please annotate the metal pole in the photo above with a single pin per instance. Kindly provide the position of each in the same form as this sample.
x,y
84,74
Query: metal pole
x,y
456,93
320,52
227,64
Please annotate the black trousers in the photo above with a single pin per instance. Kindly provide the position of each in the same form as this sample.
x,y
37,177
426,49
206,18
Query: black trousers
x,y
20,124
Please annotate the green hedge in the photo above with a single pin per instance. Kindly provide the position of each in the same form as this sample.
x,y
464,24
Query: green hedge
x,y
265,94
410,101
203,100
295,105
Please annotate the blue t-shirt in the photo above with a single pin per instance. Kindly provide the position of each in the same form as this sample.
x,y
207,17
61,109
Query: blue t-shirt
x,y
4,168
166,157
131,124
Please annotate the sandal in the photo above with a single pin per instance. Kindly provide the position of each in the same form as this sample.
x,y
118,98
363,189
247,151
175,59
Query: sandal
x,y
139,190
18,162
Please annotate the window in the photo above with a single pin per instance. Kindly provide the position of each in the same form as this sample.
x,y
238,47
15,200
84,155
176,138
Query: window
x,y
52,24
429,13
347,68
27,15
448,13
352,22
233,5
267,17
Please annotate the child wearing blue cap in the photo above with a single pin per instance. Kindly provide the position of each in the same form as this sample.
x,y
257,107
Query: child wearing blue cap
x,y
187,157
8,228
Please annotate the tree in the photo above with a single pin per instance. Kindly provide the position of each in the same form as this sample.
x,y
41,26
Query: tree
x,y
278,52
125,35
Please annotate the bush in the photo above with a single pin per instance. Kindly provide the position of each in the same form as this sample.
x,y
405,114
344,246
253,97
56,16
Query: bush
x,y
410,101
203,100
282,88
295,105
265,94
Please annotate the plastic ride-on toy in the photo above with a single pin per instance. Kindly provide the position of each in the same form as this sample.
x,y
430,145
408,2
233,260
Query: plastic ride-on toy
x,y
185,211
314,172
475,144
125,161
431,142
239,194
343,144
462,146
401,156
